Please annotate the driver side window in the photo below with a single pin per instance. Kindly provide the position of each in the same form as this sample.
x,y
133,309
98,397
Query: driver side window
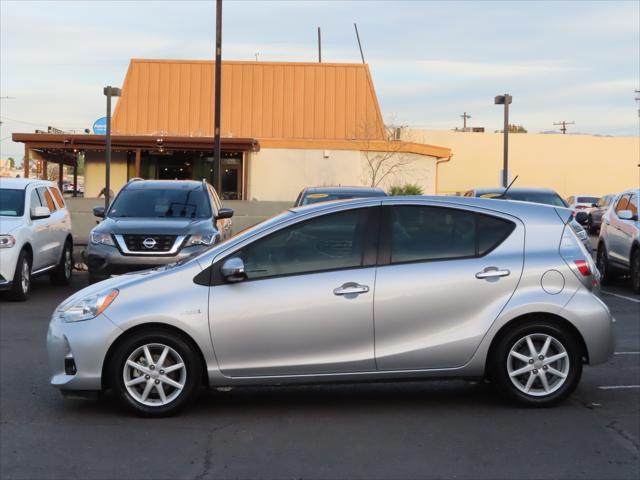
x,y
329,242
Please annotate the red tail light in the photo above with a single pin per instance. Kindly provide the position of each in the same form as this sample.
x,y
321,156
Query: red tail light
x,y
583,267
580,207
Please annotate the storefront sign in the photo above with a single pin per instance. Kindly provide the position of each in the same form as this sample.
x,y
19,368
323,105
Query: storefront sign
x,y
100,126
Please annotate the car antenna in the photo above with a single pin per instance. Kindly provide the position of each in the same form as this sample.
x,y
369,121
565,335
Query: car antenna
x,y
502,195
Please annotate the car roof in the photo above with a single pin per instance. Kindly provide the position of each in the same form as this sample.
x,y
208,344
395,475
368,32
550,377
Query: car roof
x,y
21,183
163,184
341,189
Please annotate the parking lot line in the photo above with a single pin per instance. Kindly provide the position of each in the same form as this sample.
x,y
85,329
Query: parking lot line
x,y
631,299
627,353
617,387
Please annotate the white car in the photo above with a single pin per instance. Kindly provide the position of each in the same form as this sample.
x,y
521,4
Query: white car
x,y
35,235
582,202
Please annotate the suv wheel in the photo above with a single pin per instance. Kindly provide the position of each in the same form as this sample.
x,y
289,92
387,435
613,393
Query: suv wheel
x,y
62,274
21,285
602,262
635,270
155,373
537,364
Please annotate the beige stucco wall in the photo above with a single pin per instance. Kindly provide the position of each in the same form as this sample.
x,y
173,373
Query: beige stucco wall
x,y
280,174
94,172
569,164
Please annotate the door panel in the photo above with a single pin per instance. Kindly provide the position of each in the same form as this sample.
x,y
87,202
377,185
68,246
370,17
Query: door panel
x,y
434,314
293,325
616,240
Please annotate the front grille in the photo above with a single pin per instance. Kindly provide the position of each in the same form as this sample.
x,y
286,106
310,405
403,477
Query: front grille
x,y
136,243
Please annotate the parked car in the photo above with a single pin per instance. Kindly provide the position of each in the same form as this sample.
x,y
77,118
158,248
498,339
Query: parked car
x,y
581,202
545,196
595,213
67,187
619,241
311,195
292,299
35,235
155,222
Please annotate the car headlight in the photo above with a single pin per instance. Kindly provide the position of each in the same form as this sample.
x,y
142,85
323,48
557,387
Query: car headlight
x,y
88,307
201,239
7,241
100,238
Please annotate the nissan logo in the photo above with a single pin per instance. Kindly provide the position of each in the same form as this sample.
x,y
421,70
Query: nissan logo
x,y
149,243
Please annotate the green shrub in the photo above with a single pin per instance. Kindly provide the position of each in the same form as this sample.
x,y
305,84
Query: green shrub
x,y
407,189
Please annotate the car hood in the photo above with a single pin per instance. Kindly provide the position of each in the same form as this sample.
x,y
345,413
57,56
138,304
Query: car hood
x,y
8,224
158,226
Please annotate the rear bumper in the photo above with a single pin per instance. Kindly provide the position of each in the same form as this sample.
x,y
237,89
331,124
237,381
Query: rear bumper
x,y
105,260
594,321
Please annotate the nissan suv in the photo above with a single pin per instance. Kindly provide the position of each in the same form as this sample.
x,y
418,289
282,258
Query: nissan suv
x,y
155,222
619,241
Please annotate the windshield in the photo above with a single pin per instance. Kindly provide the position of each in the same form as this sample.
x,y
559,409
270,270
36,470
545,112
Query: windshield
x,y
161,203
545,198
11,202
327,197
589,200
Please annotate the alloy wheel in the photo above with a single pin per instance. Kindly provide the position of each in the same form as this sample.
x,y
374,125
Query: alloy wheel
x,y
538,364
154,374
25,281
67,263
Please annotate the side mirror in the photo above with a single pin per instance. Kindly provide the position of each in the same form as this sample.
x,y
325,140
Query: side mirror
x,y
224,213
625,215
582,218
40,212
233,270
98,212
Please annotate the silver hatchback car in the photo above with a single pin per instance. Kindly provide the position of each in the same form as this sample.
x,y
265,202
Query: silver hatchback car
x,y
357,290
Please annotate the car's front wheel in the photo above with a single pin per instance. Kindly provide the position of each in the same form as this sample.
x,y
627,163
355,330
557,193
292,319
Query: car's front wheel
x,y
21,285
156,373
537,363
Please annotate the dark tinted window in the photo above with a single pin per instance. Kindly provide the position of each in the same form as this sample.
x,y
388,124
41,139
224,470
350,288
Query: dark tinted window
x,y
329,242
545,198
588,199
432,233
153,203
491,232
11,202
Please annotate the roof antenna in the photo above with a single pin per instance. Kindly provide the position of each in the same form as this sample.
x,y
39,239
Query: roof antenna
x,y
359,44
502,195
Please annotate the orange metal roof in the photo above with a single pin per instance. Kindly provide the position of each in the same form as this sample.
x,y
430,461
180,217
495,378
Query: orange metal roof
x,y
270,100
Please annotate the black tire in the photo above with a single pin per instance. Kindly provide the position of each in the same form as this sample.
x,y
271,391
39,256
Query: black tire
x,y
498,368
590,227
192,370
62,273
635,270
602,262
21,290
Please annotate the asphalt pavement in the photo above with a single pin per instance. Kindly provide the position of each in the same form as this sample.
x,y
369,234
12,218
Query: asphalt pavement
x,y
439,429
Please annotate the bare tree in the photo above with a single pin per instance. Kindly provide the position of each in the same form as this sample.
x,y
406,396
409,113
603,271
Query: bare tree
x,y
383,164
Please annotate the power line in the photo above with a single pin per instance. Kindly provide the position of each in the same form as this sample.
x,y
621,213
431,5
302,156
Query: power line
x,y
564,125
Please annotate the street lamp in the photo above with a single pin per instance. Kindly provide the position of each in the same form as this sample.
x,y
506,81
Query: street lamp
x,y
505,100
109,92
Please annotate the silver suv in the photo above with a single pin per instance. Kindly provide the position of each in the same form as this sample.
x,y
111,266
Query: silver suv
x,y
619,242
460,288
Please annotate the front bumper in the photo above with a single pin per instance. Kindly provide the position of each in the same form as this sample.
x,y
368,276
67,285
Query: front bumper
x,y
88,343
8,260
105,260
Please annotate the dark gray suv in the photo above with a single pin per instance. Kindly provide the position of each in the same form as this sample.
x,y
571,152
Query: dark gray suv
x,y
155,222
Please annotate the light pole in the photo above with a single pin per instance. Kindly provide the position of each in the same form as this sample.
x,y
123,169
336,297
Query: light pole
x,y
505,100
217,94
109,92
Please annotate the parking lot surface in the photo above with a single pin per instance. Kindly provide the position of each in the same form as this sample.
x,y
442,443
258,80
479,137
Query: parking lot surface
x,y
448,429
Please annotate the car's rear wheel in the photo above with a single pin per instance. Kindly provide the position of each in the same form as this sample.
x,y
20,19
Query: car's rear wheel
x,y
62,274
537,363
21,285
635,270
602,262
156,373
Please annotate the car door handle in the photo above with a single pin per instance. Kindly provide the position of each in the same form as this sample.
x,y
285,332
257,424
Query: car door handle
x,y
492,272
351,288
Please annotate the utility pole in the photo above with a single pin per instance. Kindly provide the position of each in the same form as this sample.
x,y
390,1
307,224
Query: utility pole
x,y
319,46
217,95
505,100
109,92
564,124
464,117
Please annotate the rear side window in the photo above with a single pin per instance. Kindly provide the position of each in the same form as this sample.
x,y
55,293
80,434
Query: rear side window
x,y
46,198
622,203
58,196
633,205
435,233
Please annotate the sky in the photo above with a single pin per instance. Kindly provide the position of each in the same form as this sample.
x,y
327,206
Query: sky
x,y
430,61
